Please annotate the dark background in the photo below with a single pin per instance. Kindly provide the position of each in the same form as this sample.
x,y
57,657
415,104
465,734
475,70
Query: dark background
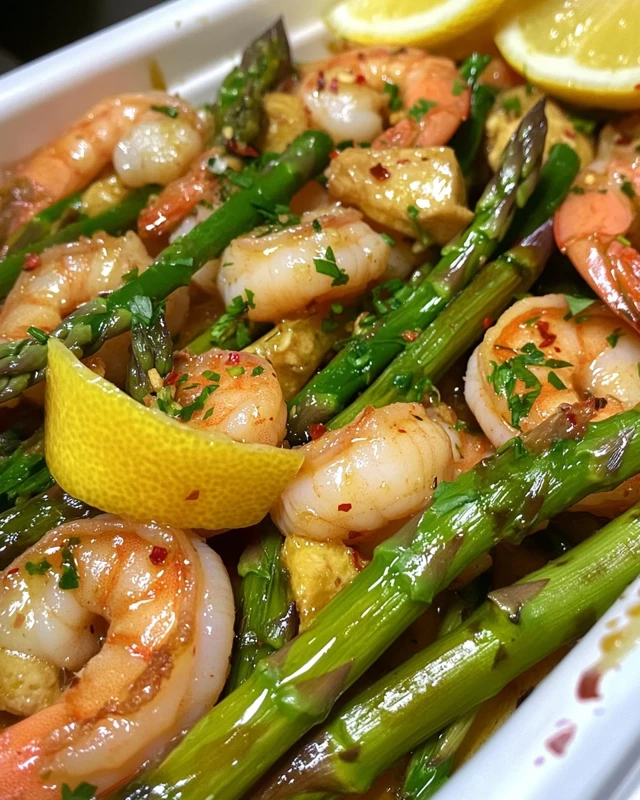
x,y
31,28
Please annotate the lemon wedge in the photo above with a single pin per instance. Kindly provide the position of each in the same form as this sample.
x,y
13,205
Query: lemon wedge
x,y
429,23
584,51
113,453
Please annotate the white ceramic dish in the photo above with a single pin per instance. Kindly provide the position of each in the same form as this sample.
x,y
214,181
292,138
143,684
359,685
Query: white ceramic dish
x,y
193,42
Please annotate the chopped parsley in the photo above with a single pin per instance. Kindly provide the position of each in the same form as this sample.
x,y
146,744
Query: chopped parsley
x,y
403,381
243,337
627,188
198,403
37,569
582,124
612,339
531,321
38,334
231,322
384,296
69,577
168,111
328,266
359,354
277,216
392,89
210,375
208,413
418,110
317,227
504,378
577,304
344,145
512,105
556,381
257,371
422,235
141,309
388,239
83,791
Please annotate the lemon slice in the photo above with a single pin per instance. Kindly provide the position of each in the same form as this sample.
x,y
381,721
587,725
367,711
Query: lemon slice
x,y
584,51
113,453
409,22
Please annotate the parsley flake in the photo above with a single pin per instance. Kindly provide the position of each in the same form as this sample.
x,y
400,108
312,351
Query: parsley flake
x,y
83,791
474,66
403,381
388,239
168,111
627,188
69,577
612,339
328,266
577,304
257,371
141,309
37,569
418,110
210,375
317,227
513,106
393,91
556,381
582,124
38,334
198,404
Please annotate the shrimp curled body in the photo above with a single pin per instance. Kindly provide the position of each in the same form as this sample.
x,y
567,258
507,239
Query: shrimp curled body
x,y
167,601
284,269
371,475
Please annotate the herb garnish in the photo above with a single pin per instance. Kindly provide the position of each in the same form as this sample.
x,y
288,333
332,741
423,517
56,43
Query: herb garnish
x,y
418,110
612,339
392,89
83,791
168,111
257,371
627,188
512,105
582,124
505,376
69,577
37,569
38,334
388,239
577,304
556,381
328,266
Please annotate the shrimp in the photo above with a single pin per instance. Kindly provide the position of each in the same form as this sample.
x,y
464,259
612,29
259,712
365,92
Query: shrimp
x,y
597,226
535,360
246,402
67,276
350,94
370,476
331,254
143,615
78,155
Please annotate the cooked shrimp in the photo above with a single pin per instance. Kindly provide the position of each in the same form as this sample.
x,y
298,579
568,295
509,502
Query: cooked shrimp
x,y
468,447
165,601
346,96
247,402
331,254
597,225
67,276
535,360
78,155
373,474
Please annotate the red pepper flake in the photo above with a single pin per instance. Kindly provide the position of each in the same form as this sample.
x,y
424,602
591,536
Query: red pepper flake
x,y
379,172
357,560
623,139
589,685
171,378
548,338
242,149
320,83
18,622
194,495
571,417
158,555
31,261
559,742
569,133
13,570
401,430
334,154
360,79
344,507
637,87
233,358
317,430
487,322
410,336
333,85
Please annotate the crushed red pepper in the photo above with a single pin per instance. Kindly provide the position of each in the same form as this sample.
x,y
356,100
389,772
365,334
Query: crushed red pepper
x,y
158,555
233,358
171,378
548,338
345,507
31,261
410,336
317,430
380,172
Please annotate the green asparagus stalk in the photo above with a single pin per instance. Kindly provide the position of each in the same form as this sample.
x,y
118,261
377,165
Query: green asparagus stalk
x,y
469,135
358,364
517,627
267,612
294,689
44,223
26,524
239,111
24,472
457,328
24,362
151,348
431,762
114,220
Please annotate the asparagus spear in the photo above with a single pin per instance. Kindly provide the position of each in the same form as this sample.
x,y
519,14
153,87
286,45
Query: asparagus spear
x,y
366,356
151,348
516,627
457,327
26,524
114,220
468,137
24,472
294,689
267,612
239,112
44,223
24,362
